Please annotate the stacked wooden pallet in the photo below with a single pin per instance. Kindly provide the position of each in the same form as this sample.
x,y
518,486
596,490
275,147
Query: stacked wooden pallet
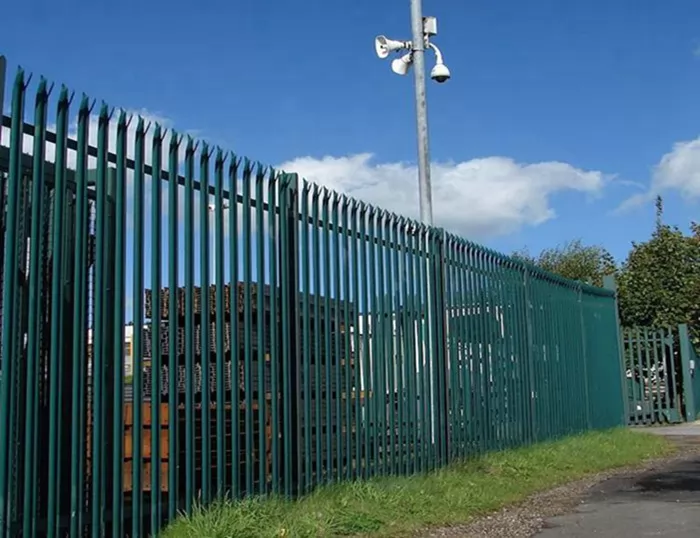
x,y
324,388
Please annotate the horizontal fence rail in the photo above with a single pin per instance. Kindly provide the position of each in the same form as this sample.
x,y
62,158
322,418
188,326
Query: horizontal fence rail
x,y
179,324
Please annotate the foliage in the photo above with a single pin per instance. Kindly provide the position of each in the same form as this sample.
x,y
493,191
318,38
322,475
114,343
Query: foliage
x,y
401,506
659,284
574,260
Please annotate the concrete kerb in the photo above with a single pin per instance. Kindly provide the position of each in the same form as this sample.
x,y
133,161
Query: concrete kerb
x,y
690,429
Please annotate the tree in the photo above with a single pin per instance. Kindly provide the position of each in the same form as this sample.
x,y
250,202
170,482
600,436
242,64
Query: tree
x,y
659,284
574,260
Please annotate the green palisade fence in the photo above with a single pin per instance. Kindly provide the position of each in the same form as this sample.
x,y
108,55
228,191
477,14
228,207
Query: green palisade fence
x,y
653,378
180,324
662,381
691,376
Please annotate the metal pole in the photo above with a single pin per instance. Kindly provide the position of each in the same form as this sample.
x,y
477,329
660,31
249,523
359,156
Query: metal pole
x,y
424,188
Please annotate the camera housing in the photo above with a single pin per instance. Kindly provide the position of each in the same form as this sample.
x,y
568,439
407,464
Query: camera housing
x,y
440,73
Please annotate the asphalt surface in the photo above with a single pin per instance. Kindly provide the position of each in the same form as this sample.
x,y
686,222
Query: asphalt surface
x,y
663,502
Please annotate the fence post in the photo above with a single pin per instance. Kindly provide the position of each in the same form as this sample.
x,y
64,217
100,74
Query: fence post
x,y
113,362
3,73
609,283
291,372
439,329
585,358
9,352
530,360
686,357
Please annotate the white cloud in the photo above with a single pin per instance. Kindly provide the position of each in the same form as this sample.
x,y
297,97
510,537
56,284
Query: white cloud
x,y
678,170
477,198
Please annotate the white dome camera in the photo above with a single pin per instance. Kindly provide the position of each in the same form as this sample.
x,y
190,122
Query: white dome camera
x,y
440,73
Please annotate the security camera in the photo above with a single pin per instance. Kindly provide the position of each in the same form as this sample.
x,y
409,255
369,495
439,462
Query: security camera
x,y
440,73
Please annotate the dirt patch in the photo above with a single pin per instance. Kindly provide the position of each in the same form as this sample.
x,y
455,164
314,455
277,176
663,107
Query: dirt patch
x,y
530,516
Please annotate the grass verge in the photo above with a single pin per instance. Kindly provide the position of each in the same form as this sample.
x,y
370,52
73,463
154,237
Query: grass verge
x,y
399,506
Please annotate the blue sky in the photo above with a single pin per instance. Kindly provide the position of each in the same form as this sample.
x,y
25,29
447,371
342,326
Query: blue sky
x,y
557,112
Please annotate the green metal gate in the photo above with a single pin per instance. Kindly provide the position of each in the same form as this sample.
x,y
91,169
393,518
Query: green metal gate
x,y
653,375
660,374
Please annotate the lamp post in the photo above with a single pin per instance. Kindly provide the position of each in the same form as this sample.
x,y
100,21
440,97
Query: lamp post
x,y
423,28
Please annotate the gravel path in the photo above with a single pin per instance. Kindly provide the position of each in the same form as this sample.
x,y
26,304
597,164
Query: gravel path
x,y
531,516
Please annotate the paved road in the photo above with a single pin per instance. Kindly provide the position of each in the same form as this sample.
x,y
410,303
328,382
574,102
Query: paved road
x,y
664,502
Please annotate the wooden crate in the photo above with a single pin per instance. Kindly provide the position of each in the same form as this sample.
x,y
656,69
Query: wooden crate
x,y
147,433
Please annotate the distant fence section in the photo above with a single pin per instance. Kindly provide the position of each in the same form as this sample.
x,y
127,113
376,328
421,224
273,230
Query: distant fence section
x,y
180,324
661,378
691,374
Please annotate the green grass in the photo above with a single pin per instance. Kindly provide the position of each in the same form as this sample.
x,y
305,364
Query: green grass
x,y
402,505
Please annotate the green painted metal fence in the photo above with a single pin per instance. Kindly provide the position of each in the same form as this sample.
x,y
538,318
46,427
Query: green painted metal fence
x,y
653,375
662,382
691,375
178,324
